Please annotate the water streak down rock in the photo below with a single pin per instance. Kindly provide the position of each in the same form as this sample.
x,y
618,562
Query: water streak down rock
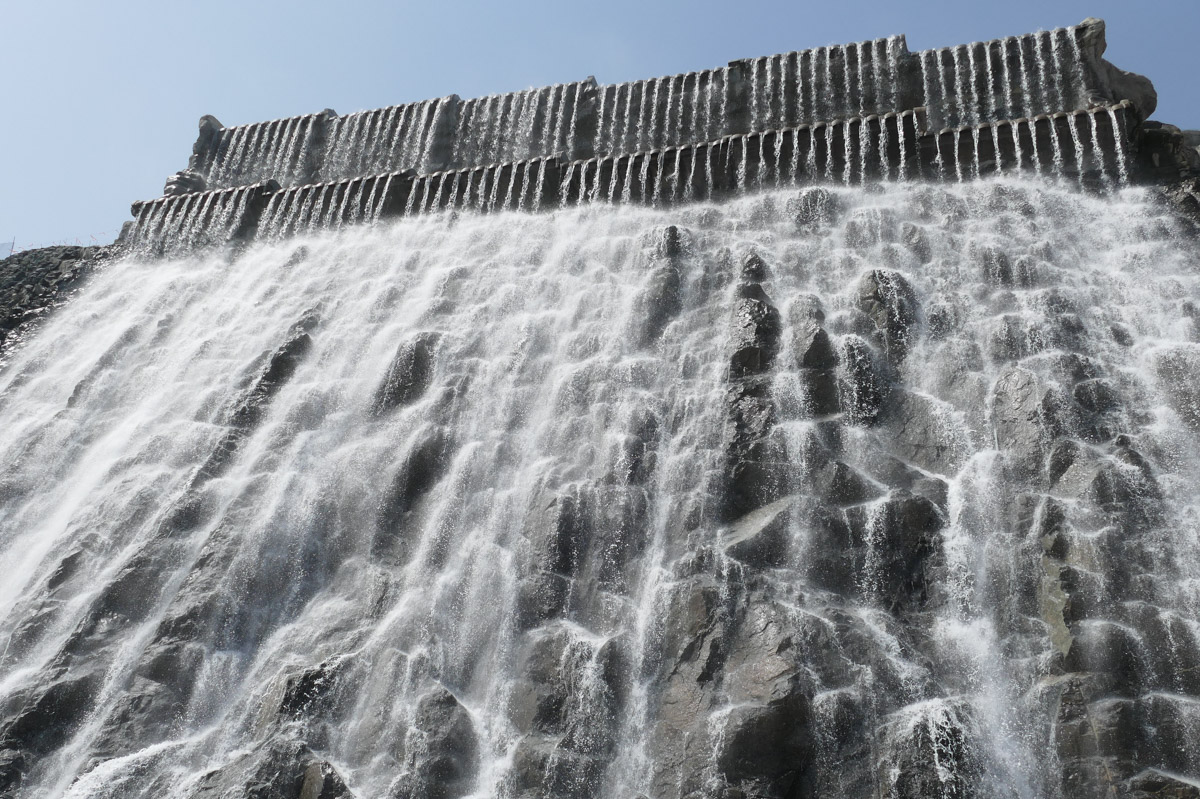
x,y
833,432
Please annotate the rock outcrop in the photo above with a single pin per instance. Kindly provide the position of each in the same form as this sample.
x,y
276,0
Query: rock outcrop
x,y
34,282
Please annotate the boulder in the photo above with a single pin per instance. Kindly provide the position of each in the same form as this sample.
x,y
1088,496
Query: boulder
x,y
863,384
818,392
764,750
1108,84
752,457
280,768
1021,421
409,374
46,720
753,269
424,465
541,596
756,332
1178,370
658,303
186,181
542,768
928,750
813,347
1155,784
149,709
806,308
917,242
443,750
311,692
814,209
927,433
277,368
889,300
1089,737
892,545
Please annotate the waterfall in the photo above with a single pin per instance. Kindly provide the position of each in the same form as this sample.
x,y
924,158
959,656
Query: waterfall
x,y
495,448
445,503
1119,139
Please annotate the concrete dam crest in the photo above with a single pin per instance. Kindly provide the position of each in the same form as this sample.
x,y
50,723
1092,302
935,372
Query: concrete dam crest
x,y
873,110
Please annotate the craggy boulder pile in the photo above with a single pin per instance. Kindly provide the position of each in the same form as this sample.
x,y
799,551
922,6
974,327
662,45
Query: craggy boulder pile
x,y
35,281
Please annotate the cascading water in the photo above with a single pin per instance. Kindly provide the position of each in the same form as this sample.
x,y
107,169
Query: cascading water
x,y
389,459
842,492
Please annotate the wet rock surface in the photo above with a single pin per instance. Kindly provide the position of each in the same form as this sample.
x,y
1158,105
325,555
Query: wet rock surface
x,y
830,493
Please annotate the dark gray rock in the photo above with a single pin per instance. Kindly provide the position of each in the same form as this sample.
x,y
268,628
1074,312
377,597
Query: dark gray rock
x,y
752,458
277,368
660,302
423,467
757,328
928,751
820,396
892,545
543,768
995,267
409,374
815,209
735,712
1155,784
1020,419
149,710
840,485
926,433
1109,84
47,719
638,454
1115,655
806,308
184,182
1012,338
13,766
443,750
864,385
281,768
1178,370
753,269
539,696
668,242
206,141
34,282
566,702
765,749
813,347
815,355
917,242
312,692
889,300
541,596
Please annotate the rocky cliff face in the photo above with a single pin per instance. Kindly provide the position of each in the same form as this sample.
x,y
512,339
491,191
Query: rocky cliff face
x,y
832,492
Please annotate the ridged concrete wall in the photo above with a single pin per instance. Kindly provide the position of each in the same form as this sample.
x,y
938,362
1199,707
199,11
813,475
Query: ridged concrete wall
x,y
1092,146
843,113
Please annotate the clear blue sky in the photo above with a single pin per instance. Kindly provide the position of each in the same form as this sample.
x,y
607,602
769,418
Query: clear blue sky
x,y
101,99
